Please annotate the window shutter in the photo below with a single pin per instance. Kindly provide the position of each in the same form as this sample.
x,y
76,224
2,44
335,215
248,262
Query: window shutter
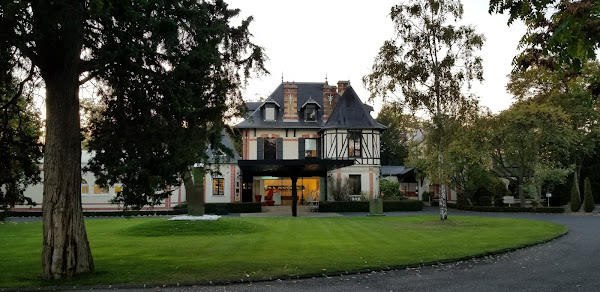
x,y
279,148
259,148
319,148
300,148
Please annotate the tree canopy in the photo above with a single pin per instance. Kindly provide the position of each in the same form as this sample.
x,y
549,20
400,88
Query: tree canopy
x,y
394,139
528,141
176,106
560,34
168,72
430,64
20,148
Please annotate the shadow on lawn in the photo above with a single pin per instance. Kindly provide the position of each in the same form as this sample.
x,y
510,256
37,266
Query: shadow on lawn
x,y
223,226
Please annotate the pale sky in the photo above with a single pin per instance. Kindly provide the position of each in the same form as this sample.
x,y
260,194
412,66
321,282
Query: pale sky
x,y
306,40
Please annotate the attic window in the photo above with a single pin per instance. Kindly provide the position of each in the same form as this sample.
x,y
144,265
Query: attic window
x,y
310,113
269,112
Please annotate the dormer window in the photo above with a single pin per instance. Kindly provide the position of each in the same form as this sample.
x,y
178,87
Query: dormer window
x,y
269,112
310,108
310,113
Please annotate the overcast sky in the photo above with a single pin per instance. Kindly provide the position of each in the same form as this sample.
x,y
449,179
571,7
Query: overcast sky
x,y
307,40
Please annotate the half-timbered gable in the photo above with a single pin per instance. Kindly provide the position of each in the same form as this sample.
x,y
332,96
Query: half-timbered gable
x,y
351,132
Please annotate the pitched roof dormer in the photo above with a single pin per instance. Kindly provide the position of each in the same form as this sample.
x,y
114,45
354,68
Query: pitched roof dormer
x,y
269,110
309,110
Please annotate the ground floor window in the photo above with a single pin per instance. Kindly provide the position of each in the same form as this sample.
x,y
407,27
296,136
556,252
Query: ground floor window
x,y
218,186
99,190
85,188
279,189
354,181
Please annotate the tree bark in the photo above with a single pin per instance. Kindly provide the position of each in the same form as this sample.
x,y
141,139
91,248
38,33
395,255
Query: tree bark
x,y
58,29
443,204
522,200
66,250
194,194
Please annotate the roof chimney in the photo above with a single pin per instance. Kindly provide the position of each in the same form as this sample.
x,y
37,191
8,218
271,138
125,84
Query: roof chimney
x,y
342,85
290,102
330,98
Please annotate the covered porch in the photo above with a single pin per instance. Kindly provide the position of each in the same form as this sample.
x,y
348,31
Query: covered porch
x,y
278,180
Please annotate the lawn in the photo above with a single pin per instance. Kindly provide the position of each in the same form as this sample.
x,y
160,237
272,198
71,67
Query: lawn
x,y
151,250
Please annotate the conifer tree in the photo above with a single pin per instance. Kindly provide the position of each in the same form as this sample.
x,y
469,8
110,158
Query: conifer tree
x,y
588,199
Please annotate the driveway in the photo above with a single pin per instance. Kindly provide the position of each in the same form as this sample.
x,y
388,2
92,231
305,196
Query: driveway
x,y
569,263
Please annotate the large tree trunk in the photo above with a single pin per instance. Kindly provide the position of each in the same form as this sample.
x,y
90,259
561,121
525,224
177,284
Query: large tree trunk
x,y
443,193
194,194
58,28
294,196
66,250
522,200
443,205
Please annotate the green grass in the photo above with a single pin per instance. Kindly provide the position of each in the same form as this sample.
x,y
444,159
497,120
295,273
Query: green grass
x,y
144,250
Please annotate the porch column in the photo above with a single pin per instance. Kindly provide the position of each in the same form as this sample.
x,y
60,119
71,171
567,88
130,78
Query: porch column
x,y
294,195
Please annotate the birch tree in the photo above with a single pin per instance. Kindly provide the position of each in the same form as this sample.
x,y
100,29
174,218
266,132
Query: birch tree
x,y
429,65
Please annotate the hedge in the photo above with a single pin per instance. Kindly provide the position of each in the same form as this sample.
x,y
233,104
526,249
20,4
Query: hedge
x,y
511,209
180,209
363,206
254,207
105,213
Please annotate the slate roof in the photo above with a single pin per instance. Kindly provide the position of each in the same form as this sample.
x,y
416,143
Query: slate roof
x,y
389,170
225,158
306,90
350,113
253,105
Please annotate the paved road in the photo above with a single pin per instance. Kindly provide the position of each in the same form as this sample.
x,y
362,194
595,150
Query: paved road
x,y
569,263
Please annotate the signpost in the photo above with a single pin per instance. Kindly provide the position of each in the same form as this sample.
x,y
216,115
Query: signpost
x,y
508,200
548,195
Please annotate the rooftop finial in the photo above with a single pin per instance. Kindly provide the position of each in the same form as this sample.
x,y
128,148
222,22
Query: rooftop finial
x,y
325,77
281,76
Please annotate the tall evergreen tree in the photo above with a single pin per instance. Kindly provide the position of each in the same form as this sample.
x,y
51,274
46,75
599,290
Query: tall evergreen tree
x,y
20,148
147,56
588,199
394,139
430,61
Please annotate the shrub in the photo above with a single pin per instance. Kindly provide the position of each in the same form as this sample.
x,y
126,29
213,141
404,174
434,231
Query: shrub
x,y
388,206
181,206
426,196
485,201
254,207
575,199
512,209
561,193
403,205
499,201
588,199
339,190
344,206
390,189
221,210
